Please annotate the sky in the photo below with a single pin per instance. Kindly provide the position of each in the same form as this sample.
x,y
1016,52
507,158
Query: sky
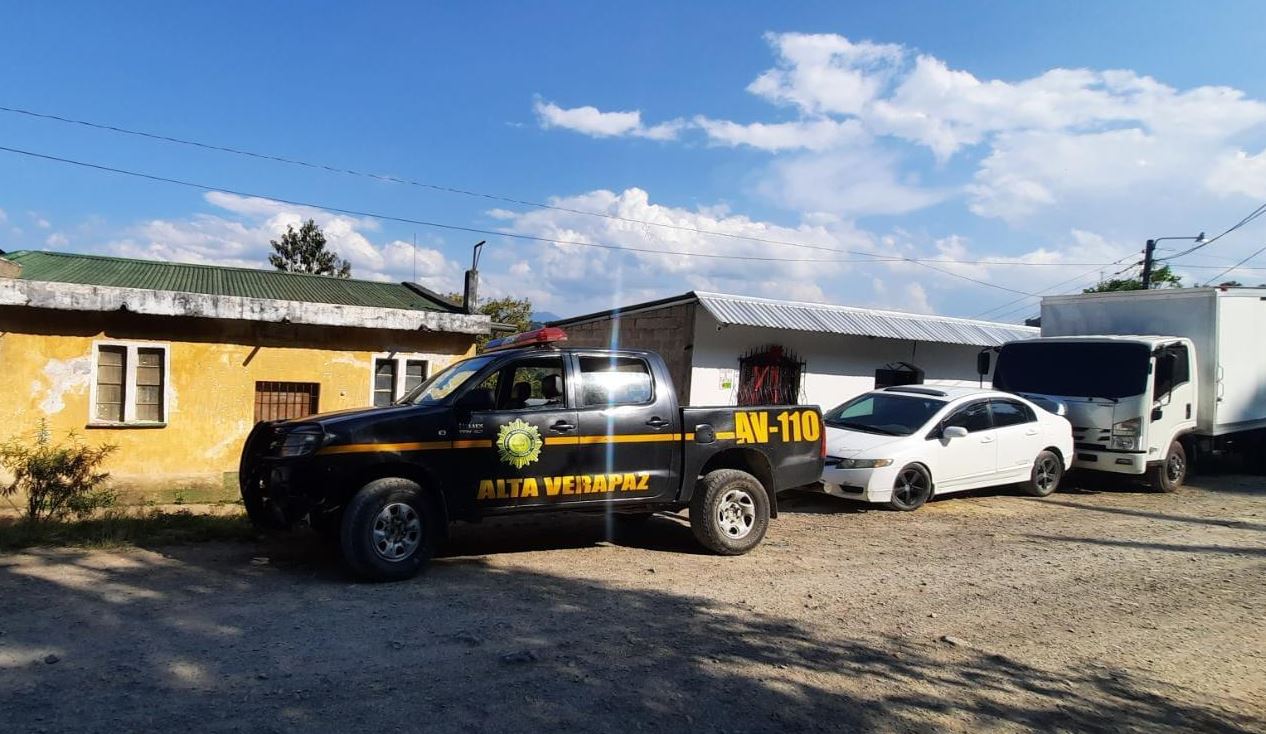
x,y
955,158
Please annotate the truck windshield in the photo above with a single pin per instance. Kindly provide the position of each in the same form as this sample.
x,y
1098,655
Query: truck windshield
x,y
1073,369
444,382
883,413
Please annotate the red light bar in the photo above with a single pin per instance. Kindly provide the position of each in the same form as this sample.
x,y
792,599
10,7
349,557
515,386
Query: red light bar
x,y
540,337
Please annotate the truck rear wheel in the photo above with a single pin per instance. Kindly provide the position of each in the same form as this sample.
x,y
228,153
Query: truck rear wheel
x,y
1169,474
729,512
389,530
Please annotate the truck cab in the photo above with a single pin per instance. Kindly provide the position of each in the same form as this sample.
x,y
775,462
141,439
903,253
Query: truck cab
x,y
1131,399
528,426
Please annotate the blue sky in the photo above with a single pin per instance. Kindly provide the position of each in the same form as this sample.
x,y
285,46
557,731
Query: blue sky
x,y
1015,132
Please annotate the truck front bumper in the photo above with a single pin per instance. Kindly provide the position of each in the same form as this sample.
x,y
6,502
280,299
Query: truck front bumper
x,y
1118,462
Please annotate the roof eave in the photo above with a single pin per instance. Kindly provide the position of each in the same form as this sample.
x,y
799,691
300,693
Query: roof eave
x,y
77,297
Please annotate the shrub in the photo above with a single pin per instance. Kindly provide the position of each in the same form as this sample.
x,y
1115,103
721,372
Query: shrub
x,y
58,479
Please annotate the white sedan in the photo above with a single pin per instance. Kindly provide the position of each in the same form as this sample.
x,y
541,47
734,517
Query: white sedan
x,y
904,445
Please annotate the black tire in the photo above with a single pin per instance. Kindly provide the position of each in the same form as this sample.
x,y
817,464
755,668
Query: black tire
x,y
1048,471
911,489
729,512
1169,474
389,530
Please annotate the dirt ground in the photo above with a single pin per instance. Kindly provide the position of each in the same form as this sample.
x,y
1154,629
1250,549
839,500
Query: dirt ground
x,y
1110,610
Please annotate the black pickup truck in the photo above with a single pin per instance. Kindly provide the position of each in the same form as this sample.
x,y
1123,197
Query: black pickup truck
x,y
525,427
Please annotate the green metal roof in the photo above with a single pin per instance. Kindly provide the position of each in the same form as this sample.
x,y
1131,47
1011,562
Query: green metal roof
x,y
64,267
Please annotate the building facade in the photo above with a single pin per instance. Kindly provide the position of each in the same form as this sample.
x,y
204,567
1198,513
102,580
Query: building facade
x,y
174,363
726,350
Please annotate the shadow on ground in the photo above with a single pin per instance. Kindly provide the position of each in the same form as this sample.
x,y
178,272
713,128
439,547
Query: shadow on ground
x,y
210,638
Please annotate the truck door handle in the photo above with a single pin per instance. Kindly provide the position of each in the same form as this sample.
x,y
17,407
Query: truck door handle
x,y
656,422
562,426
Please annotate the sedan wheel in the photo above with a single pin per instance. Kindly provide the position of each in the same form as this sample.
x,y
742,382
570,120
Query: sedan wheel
x,y
912,488
1048,470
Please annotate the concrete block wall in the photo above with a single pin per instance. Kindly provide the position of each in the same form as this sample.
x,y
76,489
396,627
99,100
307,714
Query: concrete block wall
x,y
669,331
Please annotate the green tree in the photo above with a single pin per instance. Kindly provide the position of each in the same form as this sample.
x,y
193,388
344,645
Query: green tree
x,y
1162,277
516,312
57,479
305,252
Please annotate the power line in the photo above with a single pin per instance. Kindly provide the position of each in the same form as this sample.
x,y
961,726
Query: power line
x,y
474,230
525,202
1051,288
1233,267
1259,211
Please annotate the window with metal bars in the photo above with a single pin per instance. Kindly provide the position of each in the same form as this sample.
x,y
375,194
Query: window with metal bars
x,y
770,376
278,401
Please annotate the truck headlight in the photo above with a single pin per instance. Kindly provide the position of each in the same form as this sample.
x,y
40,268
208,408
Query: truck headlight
x,y
1128,427
299,443
1125,443
864,463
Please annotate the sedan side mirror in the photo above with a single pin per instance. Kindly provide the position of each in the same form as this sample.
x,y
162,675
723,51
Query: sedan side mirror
x,y
954,432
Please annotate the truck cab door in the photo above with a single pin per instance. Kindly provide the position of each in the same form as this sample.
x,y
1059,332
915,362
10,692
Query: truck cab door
x,y
1173,398
512,455
630,427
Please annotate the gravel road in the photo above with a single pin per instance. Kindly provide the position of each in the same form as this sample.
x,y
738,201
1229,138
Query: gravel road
x,y
1109,610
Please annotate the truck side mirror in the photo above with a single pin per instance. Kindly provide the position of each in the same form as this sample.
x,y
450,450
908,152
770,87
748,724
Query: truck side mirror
x,y
982,363
1157,414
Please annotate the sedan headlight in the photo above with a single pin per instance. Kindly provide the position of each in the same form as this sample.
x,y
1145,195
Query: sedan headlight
x,y
864,463
299,443
1127,427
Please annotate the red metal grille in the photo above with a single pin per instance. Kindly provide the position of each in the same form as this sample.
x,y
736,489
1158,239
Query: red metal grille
x,y
278,401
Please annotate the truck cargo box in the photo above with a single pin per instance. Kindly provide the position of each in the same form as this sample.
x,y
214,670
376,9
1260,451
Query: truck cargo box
x,y
1227,326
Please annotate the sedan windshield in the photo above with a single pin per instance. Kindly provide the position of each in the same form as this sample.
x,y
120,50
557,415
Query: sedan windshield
x,y
445,382
884,413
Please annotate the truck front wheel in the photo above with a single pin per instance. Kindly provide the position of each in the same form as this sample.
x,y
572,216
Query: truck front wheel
x,y
729,512
1169,474
389,530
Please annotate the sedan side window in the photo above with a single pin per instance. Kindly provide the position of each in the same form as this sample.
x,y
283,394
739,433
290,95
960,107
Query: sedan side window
x,y
1010,413
974,417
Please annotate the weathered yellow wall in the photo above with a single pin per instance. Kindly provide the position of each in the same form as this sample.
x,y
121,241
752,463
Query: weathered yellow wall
x,y
46,369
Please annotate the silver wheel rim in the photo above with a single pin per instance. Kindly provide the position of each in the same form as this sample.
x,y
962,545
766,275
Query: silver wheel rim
x,y
1047,474
396,532
910,486
1175,468
736,514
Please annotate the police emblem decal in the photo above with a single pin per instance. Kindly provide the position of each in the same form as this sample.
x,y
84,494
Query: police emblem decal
x,y
519,443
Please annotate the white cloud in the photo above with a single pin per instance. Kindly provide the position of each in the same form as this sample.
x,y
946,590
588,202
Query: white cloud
x,y
3,217
821,134
826,73
244,241
56,240
1239,173
591,121
854,183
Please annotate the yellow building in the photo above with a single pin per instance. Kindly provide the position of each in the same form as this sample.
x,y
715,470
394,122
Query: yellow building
x,y
174,363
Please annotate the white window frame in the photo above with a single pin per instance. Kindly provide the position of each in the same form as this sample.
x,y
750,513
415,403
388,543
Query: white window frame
x,y
400,358
129,384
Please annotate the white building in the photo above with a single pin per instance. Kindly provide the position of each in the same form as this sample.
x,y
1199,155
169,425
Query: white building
x,y
707,338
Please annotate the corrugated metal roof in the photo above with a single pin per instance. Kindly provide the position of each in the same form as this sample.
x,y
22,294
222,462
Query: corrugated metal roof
x,y
825,318
62,267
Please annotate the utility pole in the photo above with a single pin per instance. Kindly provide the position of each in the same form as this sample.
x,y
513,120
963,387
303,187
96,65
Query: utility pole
x,y
1148,251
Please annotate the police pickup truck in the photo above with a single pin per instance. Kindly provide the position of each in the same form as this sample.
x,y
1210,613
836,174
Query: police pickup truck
x,y
527,427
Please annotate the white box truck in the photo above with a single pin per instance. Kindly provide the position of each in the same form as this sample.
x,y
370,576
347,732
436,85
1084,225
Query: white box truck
x,y
1150,380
